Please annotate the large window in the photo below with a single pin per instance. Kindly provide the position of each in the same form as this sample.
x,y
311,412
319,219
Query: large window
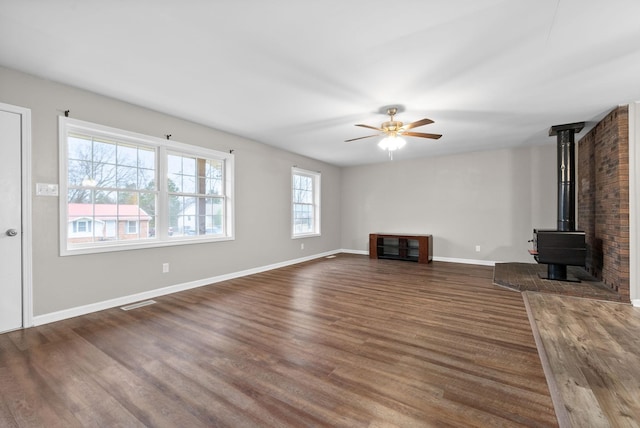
x,y
121,190
305,202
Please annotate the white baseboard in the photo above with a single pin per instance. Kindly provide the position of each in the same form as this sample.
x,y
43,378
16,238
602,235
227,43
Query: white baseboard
x,y
361,252
125,300
635,302
465,261
437,259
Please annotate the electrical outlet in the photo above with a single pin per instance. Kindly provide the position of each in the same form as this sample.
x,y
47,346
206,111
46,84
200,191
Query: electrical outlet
x,y
477,248
302,246
165,267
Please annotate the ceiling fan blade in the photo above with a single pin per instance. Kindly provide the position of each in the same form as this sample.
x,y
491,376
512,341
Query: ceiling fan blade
x,y
422,135
360,138
371,127
417,123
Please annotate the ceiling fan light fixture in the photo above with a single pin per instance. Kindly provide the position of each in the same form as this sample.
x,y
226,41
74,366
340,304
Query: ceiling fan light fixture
x,y
393,129
392,142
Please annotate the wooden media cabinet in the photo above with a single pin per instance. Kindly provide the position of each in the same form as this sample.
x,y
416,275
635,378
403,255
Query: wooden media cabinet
x,y
415,248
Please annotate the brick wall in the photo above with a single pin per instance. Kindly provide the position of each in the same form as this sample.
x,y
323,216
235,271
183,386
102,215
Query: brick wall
x,y
603,199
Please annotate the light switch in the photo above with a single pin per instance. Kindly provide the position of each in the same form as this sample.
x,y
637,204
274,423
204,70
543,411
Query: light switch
x,y
46,189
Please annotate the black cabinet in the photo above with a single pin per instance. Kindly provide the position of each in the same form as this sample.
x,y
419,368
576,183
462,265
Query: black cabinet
x,y
415,248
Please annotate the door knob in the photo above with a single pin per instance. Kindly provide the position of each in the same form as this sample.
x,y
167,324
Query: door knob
x,y
12,232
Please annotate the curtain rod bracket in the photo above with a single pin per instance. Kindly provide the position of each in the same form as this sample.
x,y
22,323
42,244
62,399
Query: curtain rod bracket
x,y
168,136
66,113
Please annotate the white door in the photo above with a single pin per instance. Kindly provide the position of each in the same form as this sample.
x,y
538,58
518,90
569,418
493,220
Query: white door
x,y
10,221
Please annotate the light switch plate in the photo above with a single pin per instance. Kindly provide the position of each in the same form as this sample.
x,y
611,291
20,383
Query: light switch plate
x,y
46,189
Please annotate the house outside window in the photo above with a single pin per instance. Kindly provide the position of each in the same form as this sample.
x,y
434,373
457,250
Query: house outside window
x,y
305,205
126,190
105,222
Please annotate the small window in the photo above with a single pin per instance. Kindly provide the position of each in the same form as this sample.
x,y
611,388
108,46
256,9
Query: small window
x,y
132,227
305,203
81,226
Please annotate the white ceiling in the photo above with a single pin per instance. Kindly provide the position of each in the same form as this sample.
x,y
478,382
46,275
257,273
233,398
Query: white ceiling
x,y
299,74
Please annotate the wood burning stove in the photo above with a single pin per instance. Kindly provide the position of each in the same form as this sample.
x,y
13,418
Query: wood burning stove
x,y
565,246
559,249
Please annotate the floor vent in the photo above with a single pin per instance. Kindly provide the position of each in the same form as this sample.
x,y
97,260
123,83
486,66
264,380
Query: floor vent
x,y
330,257
138,305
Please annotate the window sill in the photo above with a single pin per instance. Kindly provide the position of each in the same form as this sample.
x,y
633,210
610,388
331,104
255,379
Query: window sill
x,y
107,248
306,235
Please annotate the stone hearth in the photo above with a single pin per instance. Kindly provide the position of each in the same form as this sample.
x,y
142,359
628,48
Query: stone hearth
x,y
526,277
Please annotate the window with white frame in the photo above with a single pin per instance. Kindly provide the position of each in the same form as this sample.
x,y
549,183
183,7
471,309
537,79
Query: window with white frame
x,y
305,202
122,190
132,227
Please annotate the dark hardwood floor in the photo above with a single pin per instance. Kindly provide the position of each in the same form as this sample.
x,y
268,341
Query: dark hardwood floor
x,y
346,341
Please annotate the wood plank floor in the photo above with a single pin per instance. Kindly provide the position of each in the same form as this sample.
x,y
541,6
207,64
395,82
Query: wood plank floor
x,y
346,341
591,353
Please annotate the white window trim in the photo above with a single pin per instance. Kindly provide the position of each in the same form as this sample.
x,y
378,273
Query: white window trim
x,y
65,124
316,176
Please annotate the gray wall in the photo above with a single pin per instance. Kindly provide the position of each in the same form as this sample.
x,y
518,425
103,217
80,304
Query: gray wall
x,y
262,208
493,199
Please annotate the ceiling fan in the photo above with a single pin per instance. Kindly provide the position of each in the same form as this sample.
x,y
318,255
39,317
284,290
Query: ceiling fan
x,y
394,129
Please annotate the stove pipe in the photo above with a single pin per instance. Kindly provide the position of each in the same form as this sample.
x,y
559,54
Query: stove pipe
x,y
566,174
